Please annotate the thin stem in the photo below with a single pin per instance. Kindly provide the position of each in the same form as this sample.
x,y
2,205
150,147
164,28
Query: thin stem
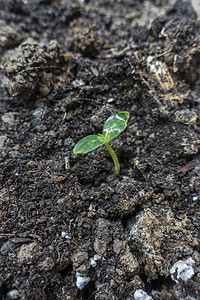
x,y
114,157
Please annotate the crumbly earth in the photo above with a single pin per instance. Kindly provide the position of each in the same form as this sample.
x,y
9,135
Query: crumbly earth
x,y
82,233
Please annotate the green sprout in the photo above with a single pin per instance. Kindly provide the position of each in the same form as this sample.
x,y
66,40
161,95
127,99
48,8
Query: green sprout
x,y
67,165
113,126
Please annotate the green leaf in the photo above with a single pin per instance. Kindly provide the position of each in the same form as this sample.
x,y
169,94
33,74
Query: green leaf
x,y
114,125
89,143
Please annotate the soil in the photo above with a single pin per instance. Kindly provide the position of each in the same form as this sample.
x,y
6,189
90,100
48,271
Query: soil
x,y
82,233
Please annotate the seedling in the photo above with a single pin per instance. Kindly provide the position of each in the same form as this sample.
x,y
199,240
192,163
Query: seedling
x,y
67,165
113,126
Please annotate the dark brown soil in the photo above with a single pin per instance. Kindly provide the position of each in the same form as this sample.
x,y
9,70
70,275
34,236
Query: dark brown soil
x,y
83,233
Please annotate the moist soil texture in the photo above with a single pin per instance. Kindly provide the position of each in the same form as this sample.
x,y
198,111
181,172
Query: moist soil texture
x,y
69,228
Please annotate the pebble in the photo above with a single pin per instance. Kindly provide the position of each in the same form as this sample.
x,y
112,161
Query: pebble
x,y
92,262
65,235
14,294
8,118
77,83
125,177
8,247
38,113
90,207
110,178
183,270
141,295
97,257
81,281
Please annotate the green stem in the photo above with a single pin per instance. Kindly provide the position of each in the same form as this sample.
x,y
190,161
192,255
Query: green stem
x,y
114,157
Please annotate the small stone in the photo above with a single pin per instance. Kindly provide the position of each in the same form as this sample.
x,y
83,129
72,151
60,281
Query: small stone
x,y
92,262
97,257
14,294
77,83
110,178
182,269
8,118
141,295
65,235
81,281
8,247
125,177
38,113
90,207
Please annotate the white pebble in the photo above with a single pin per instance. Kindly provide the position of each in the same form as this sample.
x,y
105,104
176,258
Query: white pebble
x,y
14,294
92,262
65,235
81,281
183,270
97,257
77,83
141,295
195,198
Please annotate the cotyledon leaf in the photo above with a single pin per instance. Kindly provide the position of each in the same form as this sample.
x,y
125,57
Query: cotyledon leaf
x,y
89,143
114,125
